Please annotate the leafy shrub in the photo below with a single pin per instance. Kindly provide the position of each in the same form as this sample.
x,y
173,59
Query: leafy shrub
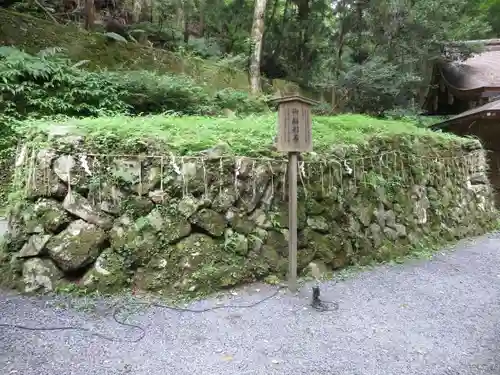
x,y
8,143
414,116
232,65
147,92
239,101
49,84
376,86
162,36
205,47
322,109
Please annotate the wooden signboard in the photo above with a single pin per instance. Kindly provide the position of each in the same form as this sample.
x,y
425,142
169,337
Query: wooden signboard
x,y
294,124
294,136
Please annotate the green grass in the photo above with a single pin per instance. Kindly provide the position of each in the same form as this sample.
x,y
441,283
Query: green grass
x,y
246,136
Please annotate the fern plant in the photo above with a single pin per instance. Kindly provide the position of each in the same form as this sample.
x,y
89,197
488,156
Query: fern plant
x,y
48,83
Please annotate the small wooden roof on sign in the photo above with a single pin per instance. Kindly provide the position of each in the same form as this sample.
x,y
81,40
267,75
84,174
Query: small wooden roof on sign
x,y
293,98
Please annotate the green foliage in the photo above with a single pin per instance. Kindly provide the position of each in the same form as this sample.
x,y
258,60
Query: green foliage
x,y
116,37
375,86
19,30
205,47
322,109
491,10
374,54
251,135
163,36
8,141
240,101
49,84
148,92
412,114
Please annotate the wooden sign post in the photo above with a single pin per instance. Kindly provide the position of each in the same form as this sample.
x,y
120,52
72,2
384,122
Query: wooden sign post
x,y
294,137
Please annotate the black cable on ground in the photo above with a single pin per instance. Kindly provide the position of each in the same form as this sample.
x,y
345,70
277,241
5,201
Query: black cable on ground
x,y
81,329
317,304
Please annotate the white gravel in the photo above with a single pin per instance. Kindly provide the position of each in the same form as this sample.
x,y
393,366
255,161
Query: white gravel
x,y
436,317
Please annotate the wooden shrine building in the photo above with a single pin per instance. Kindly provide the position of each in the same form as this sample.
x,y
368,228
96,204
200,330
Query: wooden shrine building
x,y
470,90
459,86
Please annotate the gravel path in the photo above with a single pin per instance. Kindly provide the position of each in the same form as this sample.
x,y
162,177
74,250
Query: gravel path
x,y
437,317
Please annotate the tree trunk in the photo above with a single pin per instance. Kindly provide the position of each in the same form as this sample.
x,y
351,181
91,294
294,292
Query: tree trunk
x,y
136,10
303,12
180,16
341,42
256,40
146,11
89,14
284,21
186,31
199,5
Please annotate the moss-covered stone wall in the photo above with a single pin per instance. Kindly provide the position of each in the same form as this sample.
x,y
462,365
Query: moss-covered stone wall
x,y
192,224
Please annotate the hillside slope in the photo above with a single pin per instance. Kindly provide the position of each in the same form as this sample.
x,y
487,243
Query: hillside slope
x,y
33,34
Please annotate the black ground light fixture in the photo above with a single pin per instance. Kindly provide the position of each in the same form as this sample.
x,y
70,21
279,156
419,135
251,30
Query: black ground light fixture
x,y
316,301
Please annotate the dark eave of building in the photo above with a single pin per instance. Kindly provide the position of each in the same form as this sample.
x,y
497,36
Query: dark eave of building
x,y
488,111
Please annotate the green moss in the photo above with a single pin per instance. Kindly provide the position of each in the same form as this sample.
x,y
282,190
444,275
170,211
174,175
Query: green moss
x,y
250,135
327,248
242,224
10,268
136,207
305,256
192,265
313,207
211,221
279,215
6,173
272,261
112,276
49,215
82,243
220,276
140,246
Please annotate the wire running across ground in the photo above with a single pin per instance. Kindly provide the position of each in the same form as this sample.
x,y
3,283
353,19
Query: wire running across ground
x,y
116,310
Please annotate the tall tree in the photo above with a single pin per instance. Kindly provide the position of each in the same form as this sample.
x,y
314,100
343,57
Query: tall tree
x,y
89,14
256,42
